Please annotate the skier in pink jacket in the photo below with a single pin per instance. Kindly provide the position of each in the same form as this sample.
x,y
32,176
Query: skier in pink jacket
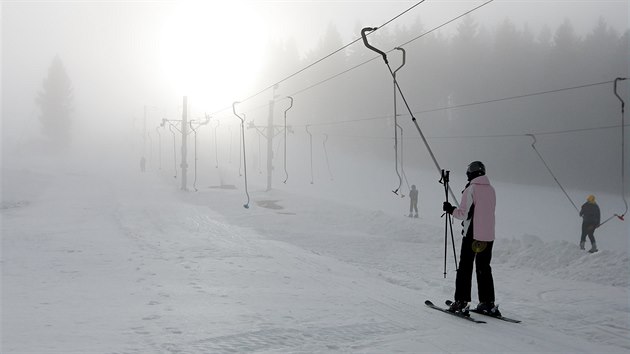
x,y
476,209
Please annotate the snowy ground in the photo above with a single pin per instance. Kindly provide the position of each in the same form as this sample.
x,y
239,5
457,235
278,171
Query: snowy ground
x,y
97,264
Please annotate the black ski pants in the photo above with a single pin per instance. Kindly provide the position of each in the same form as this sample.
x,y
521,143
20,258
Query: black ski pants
x,y
481,260
588,230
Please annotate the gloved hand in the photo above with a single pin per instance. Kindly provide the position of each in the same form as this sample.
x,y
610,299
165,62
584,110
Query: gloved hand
x,y
447,207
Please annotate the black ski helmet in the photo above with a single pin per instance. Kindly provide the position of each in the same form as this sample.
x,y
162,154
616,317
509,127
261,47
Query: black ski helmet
x,y
475,169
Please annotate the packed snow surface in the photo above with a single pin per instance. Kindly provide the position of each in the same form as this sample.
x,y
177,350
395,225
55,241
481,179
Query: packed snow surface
x,y
132,264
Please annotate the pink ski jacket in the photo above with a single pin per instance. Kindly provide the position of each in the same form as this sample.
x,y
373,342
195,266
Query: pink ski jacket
x,y
482,195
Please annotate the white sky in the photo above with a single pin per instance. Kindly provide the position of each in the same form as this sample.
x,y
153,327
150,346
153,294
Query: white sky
x,y
122,55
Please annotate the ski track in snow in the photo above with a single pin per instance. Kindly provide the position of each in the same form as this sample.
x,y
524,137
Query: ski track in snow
x,y
136,269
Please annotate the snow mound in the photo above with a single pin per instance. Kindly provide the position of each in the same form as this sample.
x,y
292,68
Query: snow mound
x,y
564,260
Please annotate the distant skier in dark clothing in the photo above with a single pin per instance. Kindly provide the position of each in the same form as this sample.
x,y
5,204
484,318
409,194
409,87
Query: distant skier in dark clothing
x,y
413,201
590,221
477,210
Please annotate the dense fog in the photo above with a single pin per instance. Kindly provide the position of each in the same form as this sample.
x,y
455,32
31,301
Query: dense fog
x,y
479,77
234,176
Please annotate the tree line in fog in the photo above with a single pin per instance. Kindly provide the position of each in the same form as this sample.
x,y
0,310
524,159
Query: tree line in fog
x,y
475,64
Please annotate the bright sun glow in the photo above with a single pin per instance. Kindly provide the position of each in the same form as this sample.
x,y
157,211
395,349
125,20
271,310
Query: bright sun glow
x,y
211,51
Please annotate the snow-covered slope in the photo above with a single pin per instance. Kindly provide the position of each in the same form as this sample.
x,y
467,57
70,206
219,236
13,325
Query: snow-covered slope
x,y
96,264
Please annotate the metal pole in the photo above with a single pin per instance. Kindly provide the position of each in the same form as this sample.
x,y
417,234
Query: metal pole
x,y
286,173
246,205
270,145
184,164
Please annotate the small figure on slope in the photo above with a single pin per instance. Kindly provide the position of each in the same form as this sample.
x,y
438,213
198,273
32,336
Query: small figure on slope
x,y
590,221
413,201
476,209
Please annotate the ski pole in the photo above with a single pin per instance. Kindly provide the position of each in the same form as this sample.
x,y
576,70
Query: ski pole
x,y
246,205
448,224
413,118
286,173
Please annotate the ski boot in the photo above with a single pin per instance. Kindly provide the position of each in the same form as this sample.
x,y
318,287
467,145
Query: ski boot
x,y
582,245
488,308
415,216
460,307
593,248
410,215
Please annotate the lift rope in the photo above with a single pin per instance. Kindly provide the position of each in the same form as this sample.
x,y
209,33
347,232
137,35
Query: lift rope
x,y
404,55
157,129
623,189
241,138
246,205
259,152
311,144
550,172
195,134
413,118
326,154
170,127
150,147
623,149
286,173
402,165
216,151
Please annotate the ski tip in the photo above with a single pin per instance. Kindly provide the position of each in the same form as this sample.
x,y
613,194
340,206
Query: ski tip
x,y
428,302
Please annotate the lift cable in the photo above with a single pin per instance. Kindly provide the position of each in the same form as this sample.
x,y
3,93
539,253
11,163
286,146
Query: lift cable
x,y
413,119
550,172
623,149
362,63
286,173
404,61
538,93
399,46
321,59
246,205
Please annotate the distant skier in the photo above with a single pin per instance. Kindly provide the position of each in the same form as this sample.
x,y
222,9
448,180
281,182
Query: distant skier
x,y
413,201
476,209
590,221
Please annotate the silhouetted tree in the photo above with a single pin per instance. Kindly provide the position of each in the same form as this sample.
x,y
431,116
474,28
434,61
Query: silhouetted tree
x,y
468,52
597,49
56,103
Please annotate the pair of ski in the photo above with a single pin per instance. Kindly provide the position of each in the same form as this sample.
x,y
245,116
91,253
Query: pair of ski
x,y
472,319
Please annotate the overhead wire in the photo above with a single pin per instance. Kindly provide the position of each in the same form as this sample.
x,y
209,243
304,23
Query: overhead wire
x,y
360,64
391,50
322,59
515,135
538,93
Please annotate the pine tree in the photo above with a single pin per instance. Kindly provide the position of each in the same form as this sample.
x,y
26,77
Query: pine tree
x,y
56,103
